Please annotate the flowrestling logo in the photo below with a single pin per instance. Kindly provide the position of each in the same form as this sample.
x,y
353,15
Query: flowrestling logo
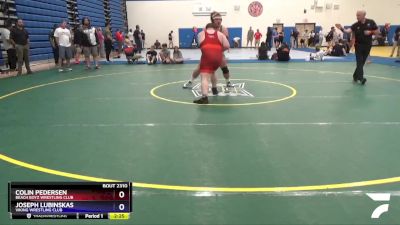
x,y
379,197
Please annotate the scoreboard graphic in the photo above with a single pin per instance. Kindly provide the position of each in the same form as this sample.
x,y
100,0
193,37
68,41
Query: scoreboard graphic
x,y
70,200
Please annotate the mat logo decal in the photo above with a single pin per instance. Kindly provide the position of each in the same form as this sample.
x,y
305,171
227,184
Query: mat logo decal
x,y
379,197
238,89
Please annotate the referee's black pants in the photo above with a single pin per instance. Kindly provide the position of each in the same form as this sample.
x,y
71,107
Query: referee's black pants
x,y
362,53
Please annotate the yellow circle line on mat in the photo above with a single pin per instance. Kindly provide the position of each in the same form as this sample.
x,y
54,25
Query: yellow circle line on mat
x,y
202,189
187,188
292,89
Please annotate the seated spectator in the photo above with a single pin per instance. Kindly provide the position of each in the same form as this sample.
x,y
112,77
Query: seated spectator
x,y
236,42
177,56
157,45
151,56
282,53
319,54
262,52
165,54
338,49
130,50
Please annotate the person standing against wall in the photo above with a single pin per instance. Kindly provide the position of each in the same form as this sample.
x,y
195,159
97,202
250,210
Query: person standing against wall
x,y
321,37
90,43
119,37
138,39
130,35
108,41
8,46
257,37
77,43
269,38
396,42
63,38
19,38
250,36
294,38
143,35
54,45
170,40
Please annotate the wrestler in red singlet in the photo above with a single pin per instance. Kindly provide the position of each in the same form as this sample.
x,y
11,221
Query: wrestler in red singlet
x,y
211,53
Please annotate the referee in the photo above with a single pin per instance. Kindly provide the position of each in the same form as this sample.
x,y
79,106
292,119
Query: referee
x,y
362,32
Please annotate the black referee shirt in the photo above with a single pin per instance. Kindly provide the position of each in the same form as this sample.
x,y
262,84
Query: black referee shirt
x,y
359,28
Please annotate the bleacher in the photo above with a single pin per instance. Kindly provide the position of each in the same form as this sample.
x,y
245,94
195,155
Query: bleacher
x,y
93,9
39,18
117,18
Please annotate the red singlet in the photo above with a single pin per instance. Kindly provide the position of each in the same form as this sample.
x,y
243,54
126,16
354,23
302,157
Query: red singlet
x,y
211,53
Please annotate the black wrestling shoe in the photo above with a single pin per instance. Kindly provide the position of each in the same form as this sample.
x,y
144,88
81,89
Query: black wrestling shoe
x,y
214,91
363,81
201,101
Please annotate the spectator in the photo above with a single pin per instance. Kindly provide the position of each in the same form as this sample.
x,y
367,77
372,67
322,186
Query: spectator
x,y
275,36
157,45
130,35
108,41
396,42
250,37
195,42
151,56
177,56
89,43
257,37
384,33
19,38
282,53
78,43
143,38
294,38
62,37
316,39
165,54
329,37
138,39
262,52
304,39
321,37
130,50
9,47
319,55
170,40
119,37
281,36
311,38
269,38
236,42
101,42
54,44
337,36
338,49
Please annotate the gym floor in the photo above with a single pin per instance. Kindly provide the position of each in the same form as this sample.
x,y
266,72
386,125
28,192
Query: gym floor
x,y
293,143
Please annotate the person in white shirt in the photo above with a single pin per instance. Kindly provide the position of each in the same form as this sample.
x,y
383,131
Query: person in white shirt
x,y
337,36
90,42
63,38
321,37
7,45
130,35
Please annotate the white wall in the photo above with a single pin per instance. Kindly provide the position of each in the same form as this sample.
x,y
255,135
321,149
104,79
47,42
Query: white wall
x,y
158,18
